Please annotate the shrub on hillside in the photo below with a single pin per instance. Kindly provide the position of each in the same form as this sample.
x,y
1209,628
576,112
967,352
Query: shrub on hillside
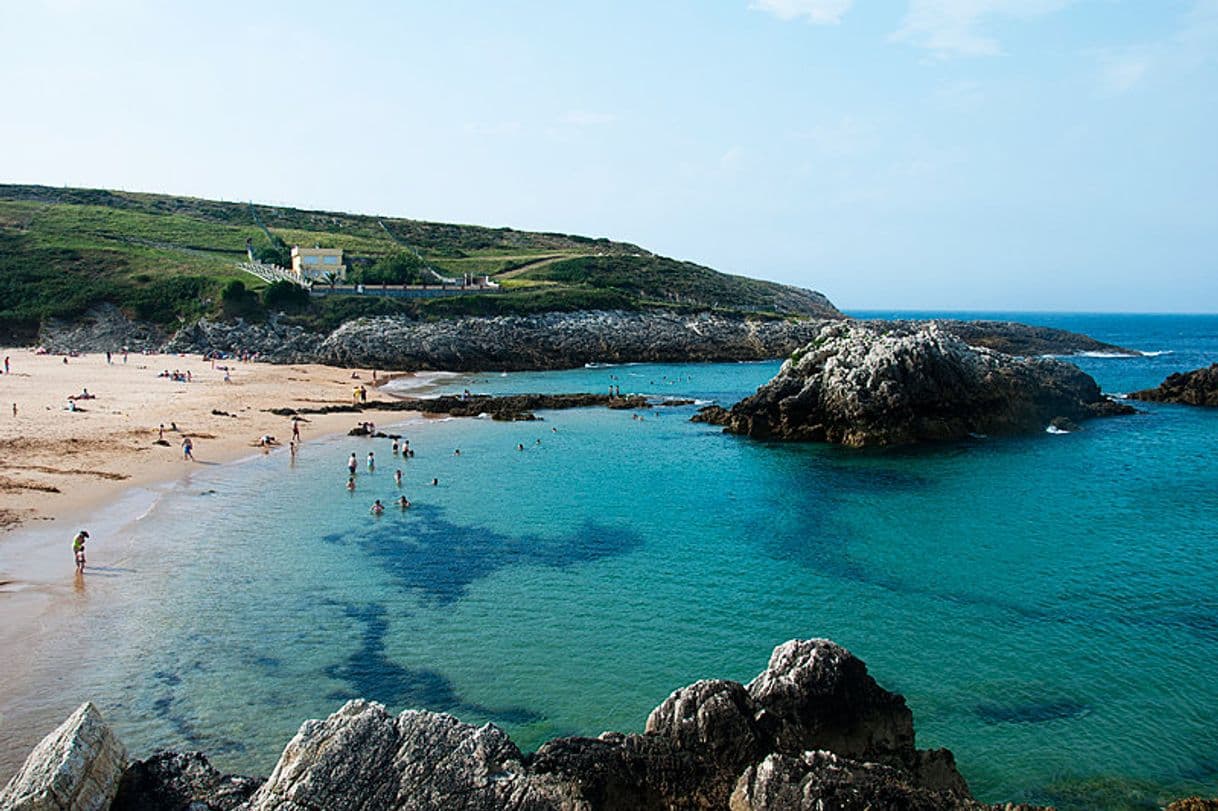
x,y
285,297
237,302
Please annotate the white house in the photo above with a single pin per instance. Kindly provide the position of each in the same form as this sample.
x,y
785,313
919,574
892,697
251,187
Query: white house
x,y
311,264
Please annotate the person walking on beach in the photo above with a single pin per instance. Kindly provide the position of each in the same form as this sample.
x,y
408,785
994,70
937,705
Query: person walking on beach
x,y
352,464
296,430
6,364
78,550
109,359
188,449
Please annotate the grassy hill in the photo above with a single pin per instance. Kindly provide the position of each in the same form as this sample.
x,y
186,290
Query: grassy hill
x,y
166,259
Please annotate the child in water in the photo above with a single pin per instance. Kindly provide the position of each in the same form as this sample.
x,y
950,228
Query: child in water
x,y
377,507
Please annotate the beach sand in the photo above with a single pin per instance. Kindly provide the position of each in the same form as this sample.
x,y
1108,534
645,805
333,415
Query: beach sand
x,y
55,462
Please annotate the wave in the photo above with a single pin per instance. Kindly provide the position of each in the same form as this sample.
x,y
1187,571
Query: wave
x,y
610,365
1053,429
1158,353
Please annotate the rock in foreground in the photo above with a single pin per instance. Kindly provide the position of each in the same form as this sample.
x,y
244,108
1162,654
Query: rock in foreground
x,y
1198,388
812,731
75,768
861,384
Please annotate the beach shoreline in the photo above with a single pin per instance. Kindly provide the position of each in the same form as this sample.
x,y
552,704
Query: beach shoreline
x,y
100,468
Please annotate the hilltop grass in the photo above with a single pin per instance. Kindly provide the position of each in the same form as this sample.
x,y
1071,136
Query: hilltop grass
x,y
166,259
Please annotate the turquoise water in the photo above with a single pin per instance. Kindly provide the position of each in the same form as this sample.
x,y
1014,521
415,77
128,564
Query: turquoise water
x,y
1047,605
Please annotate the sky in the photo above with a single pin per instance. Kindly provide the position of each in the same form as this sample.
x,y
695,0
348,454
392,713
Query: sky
x,y
892,154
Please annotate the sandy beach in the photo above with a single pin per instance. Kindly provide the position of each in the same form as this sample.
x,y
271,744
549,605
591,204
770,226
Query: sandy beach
x,y
55,462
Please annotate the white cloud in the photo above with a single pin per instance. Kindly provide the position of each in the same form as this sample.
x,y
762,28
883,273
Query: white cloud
x,y
820,12
956,27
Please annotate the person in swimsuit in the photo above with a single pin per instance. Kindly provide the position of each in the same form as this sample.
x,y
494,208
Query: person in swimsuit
x,y
188,449
403,502
377,507
78,549
371,462
352,464
351,483
397,478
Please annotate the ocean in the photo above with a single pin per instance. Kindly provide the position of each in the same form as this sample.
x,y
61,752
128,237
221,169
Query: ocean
x,y
1048,605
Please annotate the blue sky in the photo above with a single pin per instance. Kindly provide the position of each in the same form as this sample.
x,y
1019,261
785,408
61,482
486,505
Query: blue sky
x,y
946,154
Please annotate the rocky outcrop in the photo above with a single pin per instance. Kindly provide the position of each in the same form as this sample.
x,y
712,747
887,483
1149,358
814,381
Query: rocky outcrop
x,y
819,780
169,781
1025,340
361,757
75,768
1197,388
813,731
103,328
876,383
568,340
507,407
272,340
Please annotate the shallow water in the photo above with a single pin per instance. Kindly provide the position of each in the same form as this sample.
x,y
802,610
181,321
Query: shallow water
x,y
1046,604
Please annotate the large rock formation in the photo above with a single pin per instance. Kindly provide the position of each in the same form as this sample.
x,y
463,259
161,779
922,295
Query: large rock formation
x,y
813,731
75,768
567,340
1198,388
874,383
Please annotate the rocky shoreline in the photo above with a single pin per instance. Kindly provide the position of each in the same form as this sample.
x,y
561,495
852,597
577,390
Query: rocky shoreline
x,y
1196,388
518,343
864,384
813,730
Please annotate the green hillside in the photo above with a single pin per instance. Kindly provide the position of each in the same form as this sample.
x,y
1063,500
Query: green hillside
x,y
167,260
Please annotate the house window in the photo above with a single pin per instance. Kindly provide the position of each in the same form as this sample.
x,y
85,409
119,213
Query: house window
x,y
329,260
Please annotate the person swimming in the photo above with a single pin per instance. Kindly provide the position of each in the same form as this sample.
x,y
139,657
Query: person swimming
x,y
377,507
403,502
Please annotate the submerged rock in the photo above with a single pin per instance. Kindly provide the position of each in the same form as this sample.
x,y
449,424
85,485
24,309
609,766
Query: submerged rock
x,y
75,768
862,384
1197,388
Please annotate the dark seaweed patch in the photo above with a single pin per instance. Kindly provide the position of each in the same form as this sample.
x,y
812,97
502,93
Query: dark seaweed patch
x,y
1032,712
369,673
440,558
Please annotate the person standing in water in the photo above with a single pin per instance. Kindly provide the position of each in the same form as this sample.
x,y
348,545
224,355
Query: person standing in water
x,y
377,507
78,550
371,462
397,477
352,464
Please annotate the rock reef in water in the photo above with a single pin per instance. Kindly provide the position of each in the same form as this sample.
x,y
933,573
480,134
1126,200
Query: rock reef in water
x,y
1197,388
861,384
812,731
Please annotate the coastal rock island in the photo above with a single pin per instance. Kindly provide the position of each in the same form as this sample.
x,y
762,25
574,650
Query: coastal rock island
x,y
868,384
1197,388
813,730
